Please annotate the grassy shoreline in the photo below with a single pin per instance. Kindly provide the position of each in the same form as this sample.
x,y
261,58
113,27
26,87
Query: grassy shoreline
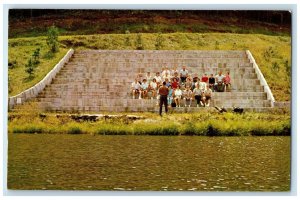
x,y
198,124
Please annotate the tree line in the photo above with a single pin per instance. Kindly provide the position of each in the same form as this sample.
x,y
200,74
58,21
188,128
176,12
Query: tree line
x,y
275,16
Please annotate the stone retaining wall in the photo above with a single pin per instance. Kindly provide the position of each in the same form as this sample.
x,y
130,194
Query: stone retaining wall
x,y
261,78
282,104
36,89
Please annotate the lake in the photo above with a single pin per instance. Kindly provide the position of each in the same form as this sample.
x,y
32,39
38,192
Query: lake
x,y
148,163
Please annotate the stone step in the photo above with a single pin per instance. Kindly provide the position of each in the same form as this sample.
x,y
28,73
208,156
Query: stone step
x,y
95,95
156,65
155,53
86,108
239,74
100,80
164,60
85,101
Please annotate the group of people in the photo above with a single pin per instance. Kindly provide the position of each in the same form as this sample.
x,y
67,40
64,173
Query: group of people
x,y
181,87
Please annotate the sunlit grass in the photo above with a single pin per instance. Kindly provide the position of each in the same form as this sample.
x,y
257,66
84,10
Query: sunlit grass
x,y
204,124
19,51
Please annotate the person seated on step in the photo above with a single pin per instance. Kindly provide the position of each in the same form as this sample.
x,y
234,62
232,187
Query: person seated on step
x,y
177,96
158,78
195,80
188,82
144,88
197,92
166,76
165,72
183,74
168,83
176,77
174,83
227,82
170,95
211,82
173,71
203,98
204,78
202,85
140,78
136,89
187,95
208,95
153,87
148,77
219,85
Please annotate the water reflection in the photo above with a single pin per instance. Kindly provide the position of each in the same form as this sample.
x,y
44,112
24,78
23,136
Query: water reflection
x,y
160,163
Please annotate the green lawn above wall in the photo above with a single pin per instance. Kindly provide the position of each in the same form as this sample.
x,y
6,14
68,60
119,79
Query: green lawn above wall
x,y
272,53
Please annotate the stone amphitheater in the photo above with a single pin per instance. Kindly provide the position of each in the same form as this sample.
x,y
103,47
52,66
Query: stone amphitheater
x,y
100,80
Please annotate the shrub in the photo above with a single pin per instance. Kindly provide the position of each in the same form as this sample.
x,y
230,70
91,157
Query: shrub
x,y
139,42
52,39
212,131
275,66
159,42
12,64
75,130
29,68
28,129
36,56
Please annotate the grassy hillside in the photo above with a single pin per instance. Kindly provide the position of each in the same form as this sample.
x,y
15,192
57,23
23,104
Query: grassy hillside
x,y
272,53
19,51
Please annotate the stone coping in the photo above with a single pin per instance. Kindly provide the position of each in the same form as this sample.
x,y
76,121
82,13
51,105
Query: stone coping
x,y
261,78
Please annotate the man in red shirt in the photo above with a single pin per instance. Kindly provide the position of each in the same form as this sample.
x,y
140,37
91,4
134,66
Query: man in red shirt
x,y
163,91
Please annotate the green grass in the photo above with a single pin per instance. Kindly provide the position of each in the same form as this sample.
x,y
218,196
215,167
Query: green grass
x,y
19,51
272,53
202,124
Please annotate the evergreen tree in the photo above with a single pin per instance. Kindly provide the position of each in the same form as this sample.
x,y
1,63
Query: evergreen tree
x,y
52,39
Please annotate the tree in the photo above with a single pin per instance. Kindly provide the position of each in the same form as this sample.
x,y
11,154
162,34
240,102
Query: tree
x,y
29,68
36,56
52,39
139,42
159,42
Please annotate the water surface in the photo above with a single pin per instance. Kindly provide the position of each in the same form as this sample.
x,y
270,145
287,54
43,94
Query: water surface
x,y
152,163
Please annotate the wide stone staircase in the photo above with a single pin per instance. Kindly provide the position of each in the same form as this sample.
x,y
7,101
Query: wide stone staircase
x,y
100,80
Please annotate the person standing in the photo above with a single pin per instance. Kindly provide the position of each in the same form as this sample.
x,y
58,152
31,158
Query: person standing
x,y
163,92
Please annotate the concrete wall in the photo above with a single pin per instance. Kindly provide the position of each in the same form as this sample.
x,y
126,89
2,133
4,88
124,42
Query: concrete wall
x,y
262,79
36,89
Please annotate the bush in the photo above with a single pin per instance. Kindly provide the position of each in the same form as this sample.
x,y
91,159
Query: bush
x,y
29,68
52,39
28,129
36,56
75,130
139,42
159,42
